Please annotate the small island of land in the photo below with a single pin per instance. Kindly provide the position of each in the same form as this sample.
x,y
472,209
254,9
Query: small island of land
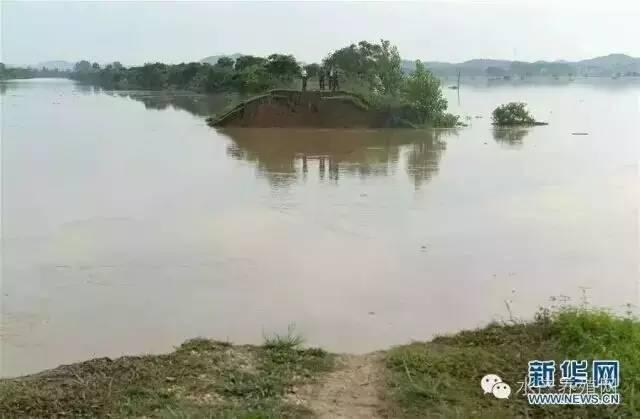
x,y
514,114
376,92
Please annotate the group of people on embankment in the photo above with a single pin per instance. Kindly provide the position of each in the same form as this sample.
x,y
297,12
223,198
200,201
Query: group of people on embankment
x,y
330,75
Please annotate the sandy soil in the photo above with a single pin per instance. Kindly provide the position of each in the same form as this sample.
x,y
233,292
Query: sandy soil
x,y
352,391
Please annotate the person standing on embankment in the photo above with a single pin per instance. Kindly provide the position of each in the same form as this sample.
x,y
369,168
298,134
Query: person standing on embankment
x,y
334,84
304,79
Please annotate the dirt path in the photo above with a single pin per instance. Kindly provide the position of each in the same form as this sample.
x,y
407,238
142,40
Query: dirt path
x,y
352,391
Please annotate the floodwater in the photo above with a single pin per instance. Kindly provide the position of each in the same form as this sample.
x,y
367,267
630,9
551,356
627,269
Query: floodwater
x,y
129,225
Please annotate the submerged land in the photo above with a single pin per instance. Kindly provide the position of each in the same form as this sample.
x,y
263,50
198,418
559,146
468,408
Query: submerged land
x,y
283,378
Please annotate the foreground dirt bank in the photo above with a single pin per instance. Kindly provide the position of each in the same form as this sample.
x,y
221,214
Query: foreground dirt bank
x,y
281,379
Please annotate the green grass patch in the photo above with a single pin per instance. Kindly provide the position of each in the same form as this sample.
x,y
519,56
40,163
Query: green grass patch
x,y
291,340
441,378
202,378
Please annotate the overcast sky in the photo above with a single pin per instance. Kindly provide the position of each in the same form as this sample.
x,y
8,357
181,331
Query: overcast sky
x,y
454,30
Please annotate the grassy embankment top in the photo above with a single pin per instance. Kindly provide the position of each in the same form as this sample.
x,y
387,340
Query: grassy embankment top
x,y
440,378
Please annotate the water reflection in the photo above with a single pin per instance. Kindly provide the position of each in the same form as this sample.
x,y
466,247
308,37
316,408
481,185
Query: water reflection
x,y
87,89
284,156
196,104
41,84
510,137
424,157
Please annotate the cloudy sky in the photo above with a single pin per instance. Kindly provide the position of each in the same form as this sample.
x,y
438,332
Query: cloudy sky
x,y
453,30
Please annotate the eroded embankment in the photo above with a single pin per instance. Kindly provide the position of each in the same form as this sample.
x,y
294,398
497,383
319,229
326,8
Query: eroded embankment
x,y
290,108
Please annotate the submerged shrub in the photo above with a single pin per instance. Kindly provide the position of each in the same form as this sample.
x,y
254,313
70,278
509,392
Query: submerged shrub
x,y
447,120
512,113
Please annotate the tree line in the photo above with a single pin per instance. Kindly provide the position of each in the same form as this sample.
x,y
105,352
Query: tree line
x,y
375,67
7,73
248,74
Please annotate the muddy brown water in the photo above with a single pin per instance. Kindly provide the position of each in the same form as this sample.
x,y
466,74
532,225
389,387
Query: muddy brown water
x,y
129,225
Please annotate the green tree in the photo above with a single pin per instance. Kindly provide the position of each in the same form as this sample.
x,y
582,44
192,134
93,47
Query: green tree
x,y
388,66
421,91
189,72
354,59
83,66
249,61
370,62
182,75
253,79
217,79
282,66
512,114
152,76
225,62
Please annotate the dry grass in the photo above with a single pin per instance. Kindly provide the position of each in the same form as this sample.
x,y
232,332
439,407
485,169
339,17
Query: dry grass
x,y
202,378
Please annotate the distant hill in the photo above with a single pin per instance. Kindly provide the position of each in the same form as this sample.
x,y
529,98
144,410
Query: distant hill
x,y
609,65
214,58
611,60
56,65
